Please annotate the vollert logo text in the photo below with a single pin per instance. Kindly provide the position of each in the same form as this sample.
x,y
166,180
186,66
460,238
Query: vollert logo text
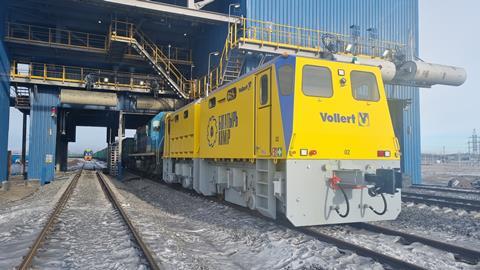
x,y
363,119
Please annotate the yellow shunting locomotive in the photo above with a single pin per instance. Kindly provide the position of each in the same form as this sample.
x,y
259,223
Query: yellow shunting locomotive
x,y
308,138
88,154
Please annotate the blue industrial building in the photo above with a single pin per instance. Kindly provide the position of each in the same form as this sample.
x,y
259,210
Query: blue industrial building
x,y
46,44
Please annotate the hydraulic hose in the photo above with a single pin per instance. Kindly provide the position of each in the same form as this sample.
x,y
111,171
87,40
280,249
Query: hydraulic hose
x,y
384,206
346,201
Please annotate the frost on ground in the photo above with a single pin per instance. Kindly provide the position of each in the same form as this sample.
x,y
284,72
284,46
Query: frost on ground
x,y
187,232
454,226
21,221
416,253
89,234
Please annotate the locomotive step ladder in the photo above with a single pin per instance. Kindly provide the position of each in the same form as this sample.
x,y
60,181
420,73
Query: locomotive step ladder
x,y
264,197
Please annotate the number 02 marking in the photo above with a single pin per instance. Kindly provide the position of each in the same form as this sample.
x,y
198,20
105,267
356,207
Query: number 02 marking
x,y
346,152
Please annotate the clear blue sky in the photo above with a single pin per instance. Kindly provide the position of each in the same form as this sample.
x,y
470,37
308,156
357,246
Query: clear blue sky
x,y
448,35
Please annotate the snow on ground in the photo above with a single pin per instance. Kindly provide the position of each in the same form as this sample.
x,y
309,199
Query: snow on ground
x,y
21,221
187,232
89,234
416,253
454,226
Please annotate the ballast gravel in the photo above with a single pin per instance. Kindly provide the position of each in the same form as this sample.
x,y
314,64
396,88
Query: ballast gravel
x,y
188,232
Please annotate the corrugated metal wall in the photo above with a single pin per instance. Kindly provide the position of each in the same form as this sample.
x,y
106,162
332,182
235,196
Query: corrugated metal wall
x,y
4,104
395,20
43,135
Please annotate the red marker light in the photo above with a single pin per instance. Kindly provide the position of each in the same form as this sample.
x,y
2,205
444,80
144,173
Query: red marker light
x,y
383,153
312,152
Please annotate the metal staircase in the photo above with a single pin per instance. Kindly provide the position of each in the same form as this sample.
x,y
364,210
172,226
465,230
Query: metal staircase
x,y
174,79
233,67
22,98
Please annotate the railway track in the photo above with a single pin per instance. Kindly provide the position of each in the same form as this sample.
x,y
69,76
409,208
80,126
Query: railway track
x,y
391,261
461,254
27,260
111,196
443,201
38,246
446,189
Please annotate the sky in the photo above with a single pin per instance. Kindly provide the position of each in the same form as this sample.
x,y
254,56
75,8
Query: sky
x,y
448,35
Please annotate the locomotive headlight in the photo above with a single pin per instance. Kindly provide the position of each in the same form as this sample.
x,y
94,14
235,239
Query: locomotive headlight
x,y
303,152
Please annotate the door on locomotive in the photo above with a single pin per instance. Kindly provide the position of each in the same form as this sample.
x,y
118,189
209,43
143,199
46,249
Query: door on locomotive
x,y
263,111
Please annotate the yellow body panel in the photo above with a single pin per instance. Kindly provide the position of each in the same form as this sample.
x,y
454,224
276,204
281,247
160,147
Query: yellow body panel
x,y
222,127
341,140
181,127
226,129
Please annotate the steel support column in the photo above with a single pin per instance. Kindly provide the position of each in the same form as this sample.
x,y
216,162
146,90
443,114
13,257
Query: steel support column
x,y
121,134
43,135
4,123
24,146
62,154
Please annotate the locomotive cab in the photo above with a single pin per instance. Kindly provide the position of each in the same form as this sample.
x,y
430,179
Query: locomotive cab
x,y
343,158
302,137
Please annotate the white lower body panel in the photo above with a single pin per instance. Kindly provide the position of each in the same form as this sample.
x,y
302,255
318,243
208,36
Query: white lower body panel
x,y
299,189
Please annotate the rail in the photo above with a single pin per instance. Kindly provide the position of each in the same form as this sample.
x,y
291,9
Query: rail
x,y
113,199
70,74
33,34
446,189
443,201
28,259
468,255
393,262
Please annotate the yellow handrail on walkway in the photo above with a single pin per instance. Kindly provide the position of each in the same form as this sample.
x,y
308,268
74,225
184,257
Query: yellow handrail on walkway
x,y
75,39
71,74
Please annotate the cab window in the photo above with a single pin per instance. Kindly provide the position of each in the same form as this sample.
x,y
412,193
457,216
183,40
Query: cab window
x,y
317,81
285,79
231,94
364,86
264,90
212,102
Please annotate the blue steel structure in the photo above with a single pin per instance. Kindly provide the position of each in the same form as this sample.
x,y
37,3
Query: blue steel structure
x,y
4,103
43,135
393,20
